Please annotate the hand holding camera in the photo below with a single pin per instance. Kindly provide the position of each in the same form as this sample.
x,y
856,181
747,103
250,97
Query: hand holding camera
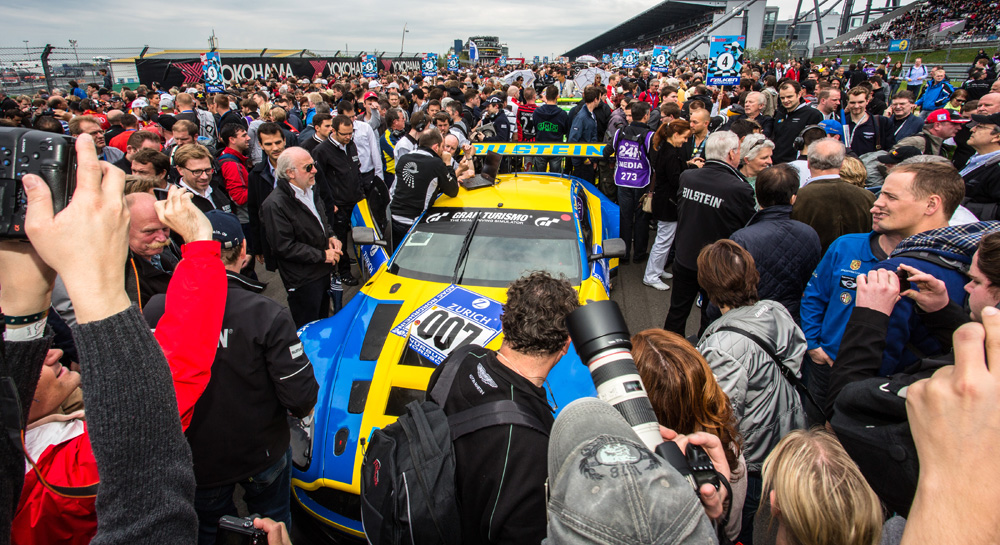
x,y
931,294
86,243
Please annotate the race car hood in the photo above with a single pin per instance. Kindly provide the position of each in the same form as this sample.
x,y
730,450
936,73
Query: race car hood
x,y
377,354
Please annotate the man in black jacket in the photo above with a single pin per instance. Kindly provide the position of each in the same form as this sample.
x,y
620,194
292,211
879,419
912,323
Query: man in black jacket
x,y
195,165
713,201
338,168
795,115
488,460
299,236
982,173
260,374
420,174
259,185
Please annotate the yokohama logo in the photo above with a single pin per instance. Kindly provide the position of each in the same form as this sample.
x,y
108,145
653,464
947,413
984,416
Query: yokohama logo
x,y
191,71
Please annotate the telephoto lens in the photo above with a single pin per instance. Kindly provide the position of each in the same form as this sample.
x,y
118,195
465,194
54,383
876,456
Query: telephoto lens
x,y
602,340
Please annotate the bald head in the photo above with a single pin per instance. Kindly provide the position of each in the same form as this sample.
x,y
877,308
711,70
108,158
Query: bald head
x,y
115,116
995,88
989,103
451,144
147,236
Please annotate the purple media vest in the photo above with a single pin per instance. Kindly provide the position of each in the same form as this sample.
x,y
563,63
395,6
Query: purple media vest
x,y
632,168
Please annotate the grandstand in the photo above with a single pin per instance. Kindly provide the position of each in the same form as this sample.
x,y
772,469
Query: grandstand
x,y
668,23
954,21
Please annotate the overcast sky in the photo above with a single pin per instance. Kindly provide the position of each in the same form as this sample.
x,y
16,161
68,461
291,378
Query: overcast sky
x,y
529,27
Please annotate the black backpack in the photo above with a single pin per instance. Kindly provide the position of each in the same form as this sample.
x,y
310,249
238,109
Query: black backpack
x,y
408,492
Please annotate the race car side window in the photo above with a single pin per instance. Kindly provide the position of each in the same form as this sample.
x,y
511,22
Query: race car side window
x,y
583,209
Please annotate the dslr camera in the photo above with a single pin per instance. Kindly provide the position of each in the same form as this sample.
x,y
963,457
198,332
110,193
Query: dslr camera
x,y
602,340
26,151
488,130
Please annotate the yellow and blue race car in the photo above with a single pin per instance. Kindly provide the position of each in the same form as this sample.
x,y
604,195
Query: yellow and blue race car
x,y
443,288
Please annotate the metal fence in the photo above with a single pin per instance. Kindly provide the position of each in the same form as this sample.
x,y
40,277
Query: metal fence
x,y
28,70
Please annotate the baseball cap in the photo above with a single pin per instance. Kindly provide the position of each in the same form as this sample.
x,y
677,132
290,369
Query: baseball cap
x,y
832,127
139,103
166,102
225,228
604,481
899,155
393,85
992,119
374,85
370,94
494,100
191,90
944,116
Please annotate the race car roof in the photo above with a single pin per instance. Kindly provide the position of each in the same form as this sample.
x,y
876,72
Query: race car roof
x,y
526,191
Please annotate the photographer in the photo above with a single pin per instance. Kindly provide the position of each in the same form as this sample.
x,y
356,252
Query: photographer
x,y
869,412
606,486
489,459
687,399
126,371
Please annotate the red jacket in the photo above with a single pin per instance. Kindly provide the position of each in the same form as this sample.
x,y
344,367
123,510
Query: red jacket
x,y
188,333
652,98
100,117
236,175
121,141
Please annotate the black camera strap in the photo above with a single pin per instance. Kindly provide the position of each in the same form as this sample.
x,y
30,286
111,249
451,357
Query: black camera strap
x,y
789,375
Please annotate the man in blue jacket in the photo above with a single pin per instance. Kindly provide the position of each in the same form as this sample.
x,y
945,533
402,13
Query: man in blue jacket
x,y
935,94
584,130
915,199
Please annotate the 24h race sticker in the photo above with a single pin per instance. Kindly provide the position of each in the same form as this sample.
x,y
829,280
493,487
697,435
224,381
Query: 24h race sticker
x,y
453,318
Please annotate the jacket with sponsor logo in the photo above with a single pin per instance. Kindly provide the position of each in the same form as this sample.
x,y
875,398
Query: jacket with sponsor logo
x,y
260,373
713,201
419,176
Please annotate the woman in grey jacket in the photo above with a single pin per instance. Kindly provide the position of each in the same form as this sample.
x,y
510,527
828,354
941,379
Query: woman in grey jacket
x,y
764,402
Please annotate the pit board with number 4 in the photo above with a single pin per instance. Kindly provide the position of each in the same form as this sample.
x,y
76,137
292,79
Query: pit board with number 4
x,y
453,318
725,59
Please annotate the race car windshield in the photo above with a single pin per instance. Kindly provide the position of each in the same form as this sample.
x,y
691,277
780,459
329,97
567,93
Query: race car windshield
x,y
505,245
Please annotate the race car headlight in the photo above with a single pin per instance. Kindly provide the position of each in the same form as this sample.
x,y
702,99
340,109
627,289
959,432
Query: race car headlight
x,y
301,440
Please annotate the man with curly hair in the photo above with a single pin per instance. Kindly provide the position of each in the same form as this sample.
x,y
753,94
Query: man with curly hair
x,y
500,470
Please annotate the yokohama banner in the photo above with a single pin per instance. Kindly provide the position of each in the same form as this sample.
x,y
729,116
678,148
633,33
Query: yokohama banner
x,y
177,72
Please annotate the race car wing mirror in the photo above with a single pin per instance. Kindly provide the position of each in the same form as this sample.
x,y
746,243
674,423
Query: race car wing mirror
x,y
366,235
613,247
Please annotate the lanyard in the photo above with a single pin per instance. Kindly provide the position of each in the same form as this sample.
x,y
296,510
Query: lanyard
x,y
900,127
850,134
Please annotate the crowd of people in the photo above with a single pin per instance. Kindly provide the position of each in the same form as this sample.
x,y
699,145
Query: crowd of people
x,y
829,227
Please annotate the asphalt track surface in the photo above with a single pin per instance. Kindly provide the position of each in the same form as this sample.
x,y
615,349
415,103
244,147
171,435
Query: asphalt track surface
x,y
643,307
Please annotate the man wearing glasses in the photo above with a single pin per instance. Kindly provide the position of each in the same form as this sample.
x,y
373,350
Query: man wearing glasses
x,y
299,236
339,174
196,168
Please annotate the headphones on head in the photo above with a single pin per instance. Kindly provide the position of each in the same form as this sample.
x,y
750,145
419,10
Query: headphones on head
x,y
800,142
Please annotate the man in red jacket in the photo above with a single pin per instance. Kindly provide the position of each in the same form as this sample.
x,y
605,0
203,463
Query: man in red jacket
x,y
59,443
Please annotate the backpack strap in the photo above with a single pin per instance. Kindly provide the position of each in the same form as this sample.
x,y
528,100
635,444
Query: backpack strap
x,y
785,371
450,369
497,413
936,259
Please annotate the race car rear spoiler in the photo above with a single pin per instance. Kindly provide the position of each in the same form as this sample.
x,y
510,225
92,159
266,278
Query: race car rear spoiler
x,y
527,149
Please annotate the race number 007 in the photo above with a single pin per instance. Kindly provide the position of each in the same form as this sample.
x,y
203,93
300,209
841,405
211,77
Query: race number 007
x,y
444,327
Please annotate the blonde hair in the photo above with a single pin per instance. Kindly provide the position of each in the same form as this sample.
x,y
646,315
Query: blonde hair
x,y
264,113
853,171
821,497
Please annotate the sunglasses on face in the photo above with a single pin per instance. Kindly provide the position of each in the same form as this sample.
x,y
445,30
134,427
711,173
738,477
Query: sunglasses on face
x,y
309,167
